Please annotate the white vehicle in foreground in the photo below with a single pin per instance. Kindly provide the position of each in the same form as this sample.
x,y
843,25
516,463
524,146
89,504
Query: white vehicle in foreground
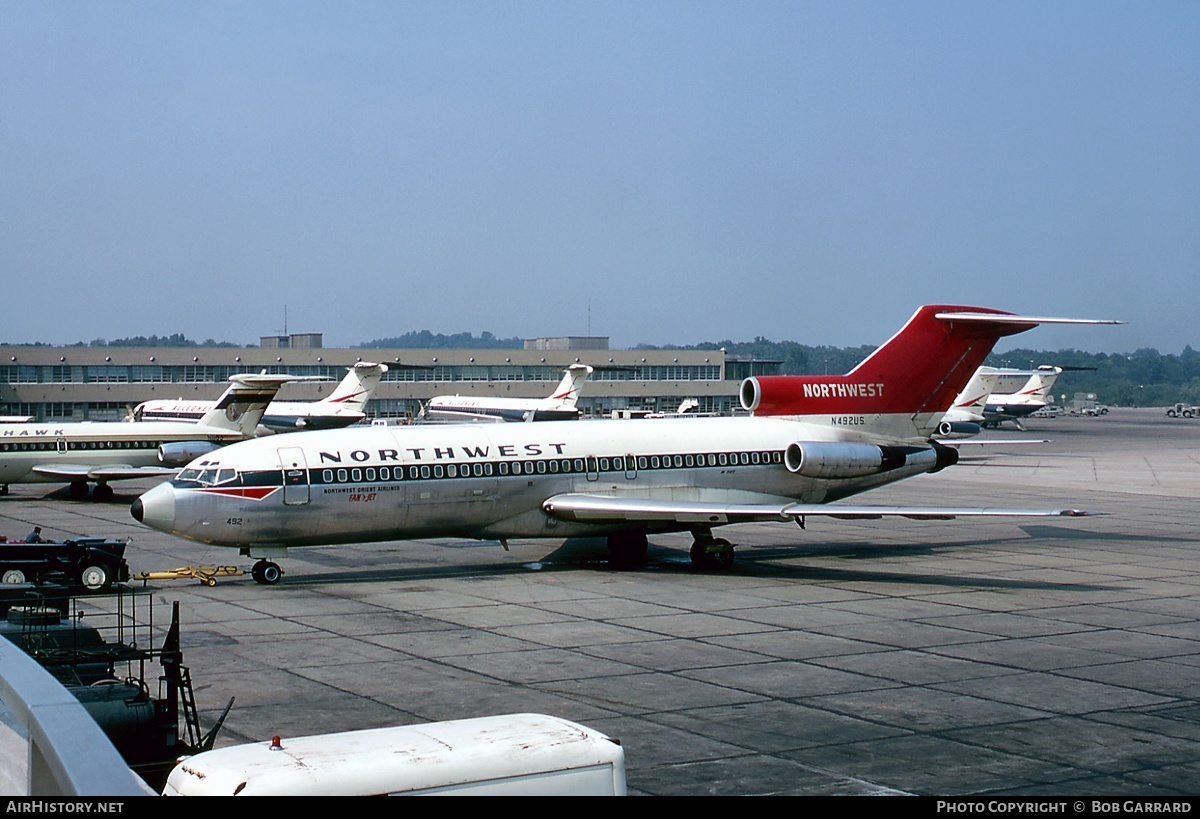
x,y
508,755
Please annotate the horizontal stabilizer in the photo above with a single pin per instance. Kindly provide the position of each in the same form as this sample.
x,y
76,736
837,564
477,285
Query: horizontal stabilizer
x,y
1009,318
275,380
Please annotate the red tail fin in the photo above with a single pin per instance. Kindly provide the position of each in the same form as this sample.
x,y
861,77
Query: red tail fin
x,y
920,370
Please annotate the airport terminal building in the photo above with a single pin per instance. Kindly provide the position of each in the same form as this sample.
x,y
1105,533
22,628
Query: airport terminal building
x,y
80,383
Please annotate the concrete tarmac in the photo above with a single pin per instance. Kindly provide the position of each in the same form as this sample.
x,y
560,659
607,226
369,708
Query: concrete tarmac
x,y
1015,657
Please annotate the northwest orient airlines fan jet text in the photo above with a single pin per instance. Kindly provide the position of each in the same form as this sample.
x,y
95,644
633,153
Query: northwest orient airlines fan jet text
x,y
814,440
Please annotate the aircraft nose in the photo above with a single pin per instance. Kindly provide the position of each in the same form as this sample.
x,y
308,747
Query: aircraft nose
x,y
156,508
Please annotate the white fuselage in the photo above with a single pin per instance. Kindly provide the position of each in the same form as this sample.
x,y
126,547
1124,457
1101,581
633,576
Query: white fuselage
x,y
280,416
467,409
492,480
99,443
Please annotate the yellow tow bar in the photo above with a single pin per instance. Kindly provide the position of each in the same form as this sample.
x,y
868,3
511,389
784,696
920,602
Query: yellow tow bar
x,y
205,574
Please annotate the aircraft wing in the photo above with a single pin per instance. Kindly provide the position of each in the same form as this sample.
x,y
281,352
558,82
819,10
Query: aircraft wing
x,y
615,509
110,472
956,442
445,416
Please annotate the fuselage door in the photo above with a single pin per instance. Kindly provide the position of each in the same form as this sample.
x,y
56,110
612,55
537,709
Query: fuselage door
x,y
295,475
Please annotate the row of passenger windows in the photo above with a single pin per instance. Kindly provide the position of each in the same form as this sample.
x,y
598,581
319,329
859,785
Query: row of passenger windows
x,y
542,467
74,446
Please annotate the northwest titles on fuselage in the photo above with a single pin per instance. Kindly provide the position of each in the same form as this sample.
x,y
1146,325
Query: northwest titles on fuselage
x,y
418,453
843,390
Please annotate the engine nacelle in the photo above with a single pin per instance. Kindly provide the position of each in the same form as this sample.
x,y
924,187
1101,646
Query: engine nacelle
x,y
944,456
958,429
817,459
184,452
750,394
813,395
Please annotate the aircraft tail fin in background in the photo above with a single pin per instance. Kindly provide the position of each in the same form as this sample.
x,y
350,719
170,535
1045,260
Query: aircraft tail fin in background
x,y
357,387
905,386
1037,388
971,402
567,393
241,406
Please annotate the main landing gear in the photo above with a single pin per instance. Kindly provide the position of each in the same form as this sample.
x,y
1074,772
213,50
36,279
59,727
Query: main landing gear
x,y
101,494
627,550
711,553
266,572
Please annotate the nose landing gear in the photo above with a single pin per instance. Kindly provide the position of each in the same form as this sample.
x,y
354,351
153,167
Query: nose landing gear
x,y
266,572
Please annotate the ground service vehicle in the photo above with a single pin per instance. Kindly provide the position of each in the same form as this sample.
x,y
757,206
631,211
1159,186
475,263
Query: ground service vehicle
x,y
1182,410
91,562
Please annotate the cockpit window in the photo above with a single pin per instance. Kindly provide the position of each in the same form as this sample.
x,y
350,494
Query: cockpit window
x,y
207,476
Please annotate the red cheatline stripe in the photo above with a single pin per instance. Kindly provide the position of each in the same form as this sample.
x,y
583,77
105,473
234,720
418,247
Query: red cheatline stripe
x,y
254,492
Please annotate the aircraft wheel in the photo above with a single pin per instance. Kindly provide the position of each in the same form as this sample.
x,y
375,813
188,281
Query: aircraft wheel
x,y
712,555
13,576
93,577
627,550
266,572
79,490
102,493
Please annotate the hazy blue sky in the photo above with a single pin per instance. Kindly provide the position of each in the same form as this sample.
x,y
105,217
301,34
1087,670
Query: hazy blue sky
x,y
691,170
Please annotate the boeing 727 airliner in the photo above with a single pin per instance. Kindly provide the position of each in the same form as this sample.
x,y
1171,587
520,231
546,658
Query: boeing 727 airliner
x,y
813,441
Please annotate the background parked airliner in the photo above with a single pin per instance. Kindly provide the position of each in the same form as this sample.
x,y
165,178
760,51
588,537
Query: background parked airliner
x,y
346,405
1030,398
101,452
813,440
560,405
